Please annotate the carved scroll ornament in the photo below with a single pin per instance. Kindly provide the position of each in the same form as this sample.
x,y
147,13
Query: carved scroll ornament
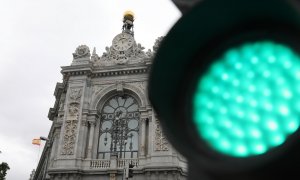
x,y
161,143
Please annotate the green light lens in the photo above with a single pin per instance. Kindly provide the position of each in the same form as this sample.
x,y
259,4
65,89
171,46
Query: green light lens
x,y
248,100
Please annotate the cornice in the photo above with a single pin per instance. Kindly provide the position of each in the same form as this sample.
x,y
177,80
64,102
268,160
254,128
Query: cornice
x,y
77,70
118,72
90,71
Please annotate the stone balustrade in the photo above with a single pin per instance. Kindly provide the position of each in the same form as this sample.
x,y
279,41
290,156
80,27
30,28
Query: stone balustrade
x,y
100,163
123,162
105,163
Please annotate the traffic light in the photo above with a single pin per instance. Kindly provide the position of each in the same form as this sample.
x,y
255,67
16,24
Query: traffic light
x,y
225,83
130,170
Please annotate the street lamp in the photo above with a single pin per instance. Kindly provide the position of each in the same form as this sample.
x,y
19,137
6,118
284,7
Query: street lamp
x,y
44,138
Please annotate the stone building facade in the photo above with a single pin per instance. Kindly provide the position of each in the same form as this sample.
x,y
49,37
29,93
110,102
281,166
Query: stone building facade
x,y
103,120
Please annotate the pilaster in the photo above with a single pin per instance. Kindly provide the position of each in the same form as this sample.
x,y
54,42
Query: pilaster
x,y
143,119
73,131
92,124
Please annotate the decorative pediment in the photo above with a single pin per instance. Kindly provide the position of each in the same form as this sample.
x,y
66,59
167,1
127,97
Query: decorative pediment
x,y
133,55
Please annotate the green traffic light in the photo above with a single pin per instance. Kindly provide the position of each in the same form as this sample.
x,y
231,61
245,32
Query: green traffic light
x,y
248,100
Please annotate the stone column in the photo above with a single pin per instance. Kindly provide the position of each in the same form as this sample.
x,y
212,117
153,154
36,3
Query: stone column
x,y
92,124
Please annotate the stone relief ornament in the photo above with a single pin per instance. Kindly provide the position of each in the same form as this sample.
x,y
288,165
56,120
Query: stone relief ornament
x,y
82,51
75,95
94,56
74,108
161,143
139,51
97,88
69,137
141,85
72,121
122,51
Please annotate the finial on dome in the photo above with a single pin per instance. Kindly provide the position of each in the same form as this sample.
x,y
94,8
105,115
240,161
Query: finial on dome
x,y
128,19
128,15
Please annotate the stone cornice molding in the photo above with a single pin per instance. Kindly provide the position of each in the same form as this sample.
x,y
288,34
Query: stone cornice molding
x,y
96,72
121,72
76,70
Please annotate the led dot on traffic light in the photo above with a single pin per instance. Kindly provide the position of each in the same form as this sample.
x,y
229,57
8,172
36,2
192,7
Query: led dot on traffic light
x,y
247,101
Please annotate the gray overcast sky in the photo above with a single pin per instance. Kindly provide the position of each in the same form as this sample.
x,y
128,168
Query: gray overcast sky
x,y
39,36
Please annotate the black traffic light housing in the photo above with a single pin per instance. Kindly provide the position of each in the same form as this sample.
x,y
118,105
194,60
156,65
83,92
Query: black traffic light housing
x,y
185,54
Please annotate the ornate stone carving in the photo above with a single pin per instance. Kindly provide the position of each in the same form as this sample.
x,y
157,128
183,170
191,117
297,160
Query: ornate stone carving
x,y
69,137
81,51
94,56
97,88
74,108
161,143
74,102
71,122
138,51
113,56
75,95
141,85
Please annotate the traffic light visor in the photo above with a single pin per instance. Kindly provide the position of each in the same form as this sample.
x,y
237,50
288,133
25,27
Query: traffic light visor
x,y
247,102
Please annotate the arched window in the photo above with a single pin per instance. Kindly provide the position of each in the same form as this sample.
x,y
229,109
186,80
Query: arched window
x,y
119,127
